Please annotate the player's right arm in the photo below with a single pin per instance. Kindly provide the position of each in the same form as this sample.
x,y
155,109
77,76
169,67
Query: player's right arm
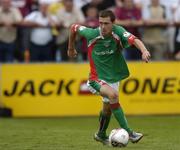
x,y
83,31
72,37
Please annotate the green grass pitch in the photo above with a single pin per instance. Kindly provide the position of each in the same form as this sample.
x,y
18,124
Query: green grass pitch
x,y
161,133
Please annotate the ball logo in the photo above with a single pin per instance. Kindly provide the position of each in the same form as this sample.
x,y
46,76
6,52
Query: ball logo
x,y
126,34
123,136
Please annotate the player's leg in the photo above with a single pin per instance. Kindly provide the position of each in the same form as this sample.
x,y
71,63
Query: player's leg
x,y
105,114
104,119
112,94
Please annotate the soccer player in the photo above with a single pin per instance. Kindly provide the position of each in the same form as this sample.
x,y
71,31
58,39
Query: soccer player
x,y
107,68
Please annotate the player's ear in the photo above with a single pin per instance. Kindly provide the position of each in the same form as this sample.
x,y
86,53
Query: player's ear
x,y
114,21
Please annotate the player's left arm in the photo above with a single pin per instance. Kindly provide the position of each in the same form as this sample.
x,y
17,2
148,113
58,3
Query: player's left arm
x,y
133,40
128,39
145,53
72,37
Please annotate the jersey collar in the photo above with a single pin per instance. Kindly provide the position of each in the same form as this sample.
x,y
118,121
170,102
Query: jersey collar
x,y
100,33
102,37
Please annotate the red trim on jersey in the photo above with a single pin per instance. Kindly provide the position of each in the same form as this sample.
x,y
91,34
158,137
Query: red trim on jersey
x,y
93,72
131,39
117,41
115,105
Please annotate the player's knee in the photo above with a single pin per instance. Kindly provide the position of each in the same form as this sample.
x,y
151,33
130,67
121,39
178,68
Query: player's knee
x,y
113,96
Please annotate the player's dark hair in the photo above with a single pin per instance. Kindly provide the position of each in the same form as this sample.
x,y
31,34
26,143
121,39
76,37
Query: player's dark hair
x,y
107,13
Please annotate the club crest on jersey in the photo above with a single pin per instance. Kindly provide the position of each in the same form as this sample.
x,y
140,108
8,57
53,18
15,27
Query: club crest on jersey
x,y
126,34
107,43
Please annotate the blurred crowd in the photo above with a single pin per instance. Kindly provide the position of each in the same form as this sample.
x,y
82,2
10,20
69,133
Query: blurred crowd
x,y
37,30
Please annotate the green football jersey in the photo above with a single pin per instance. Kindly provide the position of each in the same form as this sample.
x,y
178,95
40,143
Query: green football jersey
x,y
106,60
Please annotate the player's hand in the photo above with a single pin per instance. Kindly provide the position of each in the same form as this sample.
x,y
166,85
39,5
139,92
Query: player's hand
x,y
146,56
72,53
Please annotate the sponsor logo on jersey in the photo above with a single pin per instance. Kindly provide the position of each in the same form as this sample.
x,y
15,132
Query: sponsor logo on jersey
x,y
108,52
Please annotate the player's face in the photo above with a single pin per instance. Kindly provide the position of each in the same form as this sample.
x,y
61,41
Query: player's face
x,y
105,25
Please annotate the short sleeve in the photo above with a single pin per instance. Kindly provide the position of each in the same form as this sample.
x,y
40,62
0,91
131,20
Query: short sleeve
x,y
127,39
83,31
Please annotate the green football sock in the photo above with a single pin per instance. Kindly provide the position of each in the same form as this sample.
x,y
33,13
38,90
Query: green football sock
x,y
103,123
120,117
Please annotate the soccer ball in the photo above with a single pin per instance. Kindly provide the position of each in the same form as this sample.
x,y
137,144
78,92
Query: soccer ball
x,y
119,137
